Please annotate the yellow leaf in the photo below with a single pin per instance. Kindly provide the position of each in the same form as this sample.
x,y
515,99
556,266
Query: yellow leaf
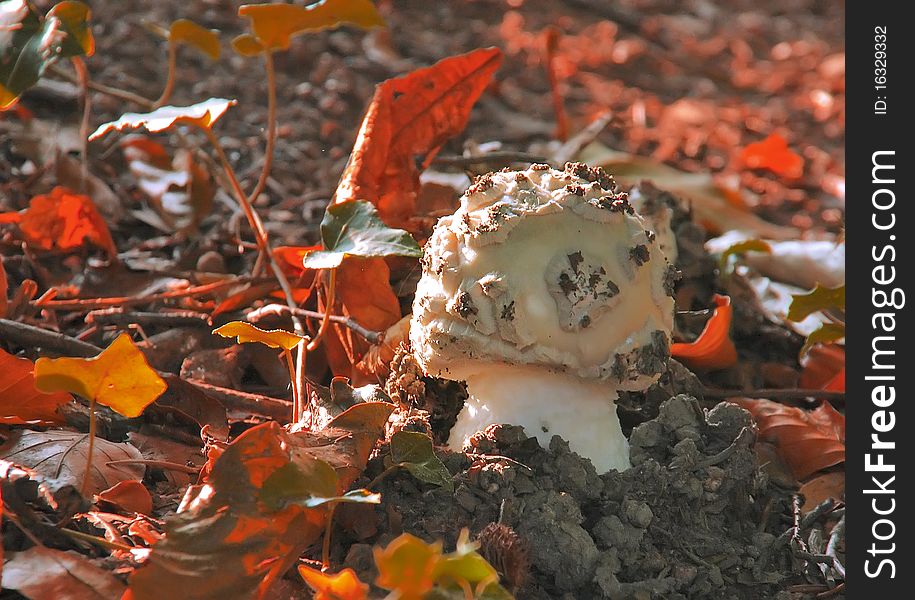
x,y
408,565
184,31
247,45
75,18
119,377
275,24
203,114
246,332
344,585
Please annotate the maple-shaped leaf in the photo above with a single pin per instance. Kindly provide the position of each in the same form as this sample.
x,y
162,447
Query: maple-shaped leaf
x,y
713,349
742,247
62,220
203,114
773,154
413,451
354,229
274,24
409,118
820,298
408,565
824,334
808,441
344,585
21,403
31,44
119,377
246,333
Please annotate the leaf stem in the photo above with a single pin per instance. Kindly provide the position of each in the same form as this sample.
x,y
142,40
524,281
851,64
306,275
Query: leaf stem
x,y
328,527
82,76
383,475
271,127
105,89
294,384
170,81
91,447
329,299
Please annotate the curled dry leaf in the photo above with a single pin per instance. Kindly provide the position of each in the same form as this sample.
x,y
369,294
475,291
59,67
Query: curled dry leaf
x,y
773,154
274,24
63,576
409,117
203,114
246,333
119,377
808,441
130,496
62,220
713,349
20,402
60,458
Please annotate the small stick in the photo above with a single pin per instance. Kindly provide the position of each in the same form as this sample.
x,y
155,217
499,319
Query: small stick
x,y
500,157
31,336
157,464
177,318
273,408
329,299
374,337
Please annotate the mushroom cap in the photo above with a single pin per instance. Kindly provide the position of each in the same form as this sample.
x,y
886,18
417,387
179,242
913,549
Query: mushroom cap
x,y
548,268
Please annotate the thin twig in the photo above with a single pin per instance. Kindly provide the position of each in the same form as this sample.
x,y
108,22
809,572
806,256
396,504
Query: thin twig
x,y
30,336
157,464
90,448
105,89
178,318
374,337
502,157
330,295
774,394
85,537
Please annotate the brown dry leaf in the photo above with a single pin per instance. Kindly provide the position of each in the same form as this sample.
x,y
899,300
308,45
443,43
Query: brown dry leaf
x,y
808,441
63,576
60,458
410,117
827,485
129,495
20,402
188,400
158,448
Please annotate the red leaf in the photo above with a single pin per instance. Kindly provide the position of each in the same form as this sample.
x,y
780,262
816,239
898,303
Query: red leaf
x,y
129,495
63,220
20,402
808,441
412,116
713,349
822,365
773,154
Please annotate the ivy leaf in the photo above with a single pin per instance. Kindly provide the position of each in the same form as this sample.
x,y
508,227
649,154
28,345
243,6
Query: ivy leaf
x,y
354,229
821,298
274,24
246,332
119,377
826,333
713,349
413,451
344,585
29,44
203,114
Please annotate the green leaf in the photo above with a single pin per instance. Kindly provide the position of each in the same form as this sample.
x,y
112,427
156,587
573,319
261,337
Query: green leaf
x,y
742,248
29,44
821,298
826,333
354,229
413,451
298,482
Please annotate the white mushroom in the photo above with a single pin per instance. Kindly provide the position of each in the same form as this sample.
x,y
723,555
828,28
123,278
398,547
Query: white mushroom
x,y
547,294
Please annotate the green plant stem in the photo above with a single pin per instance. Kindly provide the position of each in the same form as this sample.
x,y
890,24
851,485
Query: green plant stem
x,y
329,299
294,384
172,70
271,127
82,76
328,527
90,449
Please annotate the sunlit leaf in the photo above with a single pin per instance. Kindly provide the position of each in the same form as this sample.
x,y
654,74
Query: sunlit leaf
x,y
354,229
247,45
74,20
742,248
20,402
203,114
408,565
299,482
119,377
713,349
344,585
185,31
62,220
63,576
274,24
820,298
465,563
773,154
129,495
808,441
414,452
408,120
246,332
826,333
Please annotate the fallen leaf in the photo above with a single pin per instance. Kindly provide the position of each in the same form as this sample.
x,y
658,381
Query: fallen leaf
x,y
837,383
119,377
408,565
246,332
129,495
60,458
203,114
354,229
4,291
274,24
823,487
821,365
410,117
414,452
159,448
63,576
62,220
773,154
740,248
808,441
20,402
344,585
825,334
185,31
804,263
185,399
713,349
820,298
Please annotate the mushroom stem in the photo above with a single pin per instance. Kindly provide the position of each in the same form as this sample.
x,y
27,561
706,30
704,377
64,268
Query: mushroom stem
x,y
546,403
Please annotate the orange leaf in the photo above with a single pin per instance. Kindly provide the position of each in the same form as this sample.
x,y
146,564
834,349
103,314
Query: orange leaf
x,y
203,114
822,365
20,402
119,377
818,489
129,495
345,585
63,220
274,24
246,332
408,565
837,383
773,154
808,441
4,285
409,117
713,349
184,31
